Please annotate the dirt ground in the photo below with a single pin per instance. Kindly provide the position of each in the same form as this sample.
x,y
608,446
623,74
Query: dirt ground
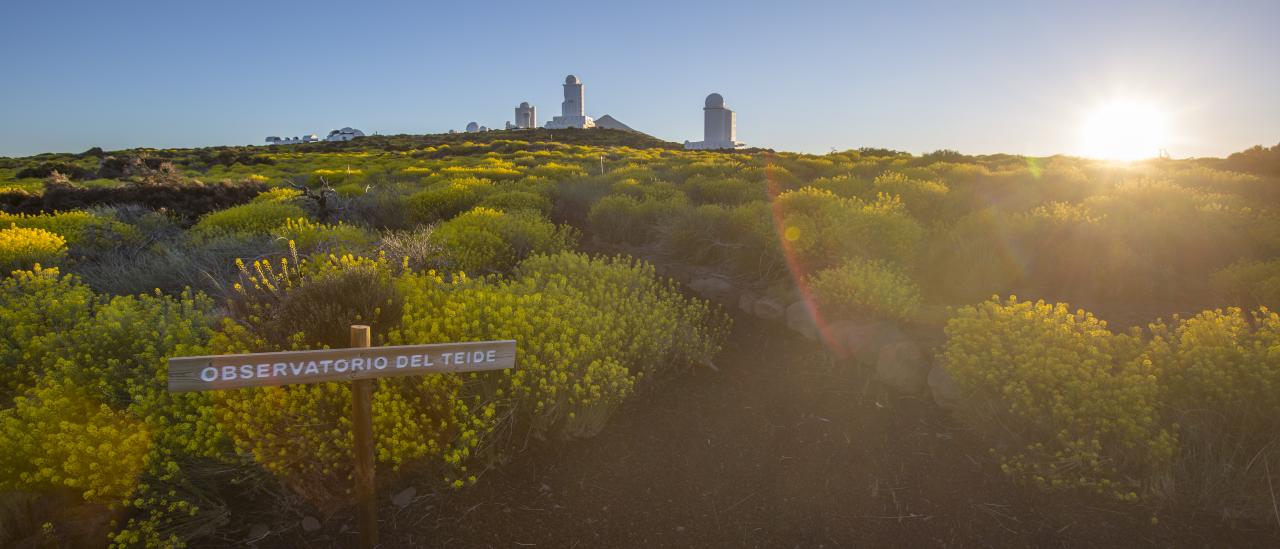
x,y
782,447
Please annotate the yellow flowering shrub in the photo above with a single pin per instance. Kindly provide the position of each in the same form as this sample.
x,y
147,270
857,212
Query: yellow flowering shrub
x,y
58,436
1065,402
246,219
20,248
587,330
78,228
92,411
285,195
862,287
36,307
822,230
1221,374
485,240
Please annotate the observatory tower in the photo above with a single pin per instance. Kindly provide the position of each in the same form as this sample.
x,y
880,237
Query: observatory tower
x,y
719,126
573,109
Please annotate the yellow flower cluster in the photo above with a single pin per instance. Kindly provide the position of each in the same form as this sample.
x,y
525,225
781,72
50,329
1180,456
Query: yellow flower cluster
x,y
20,248
77,228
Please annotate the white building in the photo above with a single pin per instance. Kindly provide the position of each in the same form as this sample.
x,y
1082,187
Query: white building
x,y
526,116
572,110
719,127
473,127
273,140
345,134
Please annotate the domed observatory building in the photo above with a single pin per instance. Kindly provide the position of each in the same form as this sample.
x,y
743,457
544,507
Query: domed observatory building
x,y
473,127
719,127
573,109
526,116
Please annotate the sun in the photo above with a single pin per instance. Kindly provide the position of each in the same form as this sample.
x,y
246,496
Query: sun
x,y
1125,130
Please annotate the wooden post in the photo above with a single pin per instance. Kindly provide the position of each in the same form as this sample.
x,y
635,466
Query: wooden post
x,y
362,446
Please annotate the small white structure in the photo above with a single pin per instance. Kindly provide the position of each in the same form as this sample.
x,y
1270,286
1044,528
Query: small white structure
x,y
572,110
345,134
719,127
526,116
295,140
473,127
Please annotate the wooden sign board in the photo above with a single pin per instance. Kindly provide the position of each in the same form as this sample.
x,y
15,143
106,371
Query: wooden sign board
x,y
206,373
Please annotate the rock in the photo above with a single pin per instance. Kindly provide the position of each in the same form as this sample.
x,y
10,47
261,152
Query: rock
x,y
257,532
768,308
862,340
404,497
310,524
711,287
747,302
946,393
903,366
800,319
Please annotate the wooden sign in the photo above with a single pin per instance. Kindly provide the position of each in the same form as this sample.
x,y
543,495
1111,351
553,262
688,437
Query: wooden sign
x,y
359,365
205,373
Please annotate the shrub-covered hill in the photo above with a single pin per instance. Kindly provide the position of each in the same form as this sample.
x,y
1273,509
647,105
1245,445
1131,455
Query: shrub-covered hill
x,y
114,261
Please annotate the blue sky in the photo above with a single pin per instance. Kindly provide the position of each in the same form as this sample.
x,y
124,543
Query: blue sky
x,y
978,77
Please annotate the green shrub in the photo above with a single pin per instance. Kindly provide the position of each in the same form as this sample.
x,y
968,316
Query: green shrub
x,y
727,191
862,287
20,248
443,201
622,218
487,241
1064,401
245,219
511,201
740,240
926,200
1249,283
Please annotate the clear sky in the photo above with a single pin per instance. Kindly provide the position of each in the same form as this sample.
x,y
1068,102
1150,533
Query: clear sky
x,y
1017,77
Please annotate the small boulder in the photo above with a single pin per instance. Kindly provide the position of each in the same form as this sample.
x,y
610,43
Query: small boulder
x,y
747,302
404,497
946,393
711,287
800,319
768,308
863,340
310,524
257,532
903,366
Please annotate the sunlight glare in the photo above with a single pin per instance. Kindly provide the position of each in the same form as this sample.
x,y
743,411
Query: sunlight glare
x,y
1125,130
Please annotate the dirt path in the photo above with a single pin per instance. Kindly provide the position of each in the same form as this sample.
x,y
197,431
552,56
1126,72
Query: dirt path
x,y
781,448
